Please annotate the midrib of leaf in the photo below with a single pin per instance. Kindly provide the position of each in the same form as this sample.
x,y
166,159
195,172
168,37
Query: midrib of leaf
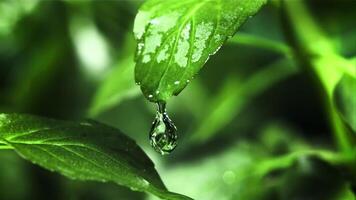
x,y
65,143
38,146
63,146
21,134
12,140
77,151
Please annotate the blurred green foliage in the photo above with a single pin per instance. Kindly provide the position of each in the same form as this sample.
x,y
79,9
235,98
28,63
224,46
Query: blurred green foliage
x,y
269,116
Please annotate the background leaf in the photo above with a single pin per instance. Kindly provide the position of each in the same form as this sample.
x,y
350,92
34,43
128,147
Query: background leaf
x,y
84,151
256,169
236,94
345,100
175,39
119,85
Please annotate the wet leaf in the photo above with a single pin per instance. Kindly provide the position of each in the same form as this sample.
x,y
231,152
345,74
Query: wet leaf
x,y
84,151
175,39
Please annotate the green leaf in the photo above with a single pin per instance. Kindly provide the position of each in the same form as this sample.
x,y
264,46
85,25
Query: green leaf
x,y
118,86
313,47
247,168
236,95
83,151
175,39
345,100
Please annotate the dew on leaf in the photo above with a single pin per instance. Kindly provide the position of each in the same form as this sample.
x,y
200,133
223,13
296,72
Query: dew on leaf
x,y
163,136
139,47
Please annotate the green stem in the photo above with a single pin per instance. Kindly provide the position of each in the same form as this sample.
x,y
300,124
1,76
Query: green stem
x,y
285,161
5,147
259,42
314,48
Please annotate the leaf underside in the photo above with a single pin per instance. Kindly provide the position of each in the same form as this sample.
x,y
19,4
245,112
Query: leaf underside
x,y
175,39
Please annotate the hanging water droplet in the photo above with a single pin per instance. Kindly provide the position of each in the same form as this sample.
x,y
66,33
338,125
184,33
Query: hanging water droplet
x,y
163,136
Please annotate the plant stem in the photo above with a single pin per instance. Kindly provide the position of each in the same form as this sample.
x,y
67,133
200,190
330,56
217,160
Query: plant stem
x,y
314,48
263,43
5,147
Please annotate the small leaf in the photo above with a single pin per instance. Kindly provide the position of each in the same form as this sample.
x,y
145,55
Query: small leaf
x,y
84,151
175,39
345,100
118,86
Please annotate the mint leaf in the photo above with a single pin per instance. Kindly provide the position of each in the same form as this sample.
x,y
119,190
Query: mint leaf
x,y
175,39
85,151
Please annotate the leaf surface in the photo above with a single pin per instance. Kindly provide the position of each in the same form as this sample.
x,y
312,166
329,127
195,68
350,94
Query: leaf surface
x,y
85,151
175,39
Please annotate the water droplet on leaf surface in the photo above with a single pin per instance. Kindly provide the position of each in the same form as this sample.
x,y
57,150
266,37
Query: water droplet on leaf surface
x,y
163,136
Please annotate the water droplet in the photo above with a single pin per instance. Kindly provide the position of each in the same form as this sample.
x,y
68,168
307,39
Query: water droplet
x,y
150,96
176,82
163,136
